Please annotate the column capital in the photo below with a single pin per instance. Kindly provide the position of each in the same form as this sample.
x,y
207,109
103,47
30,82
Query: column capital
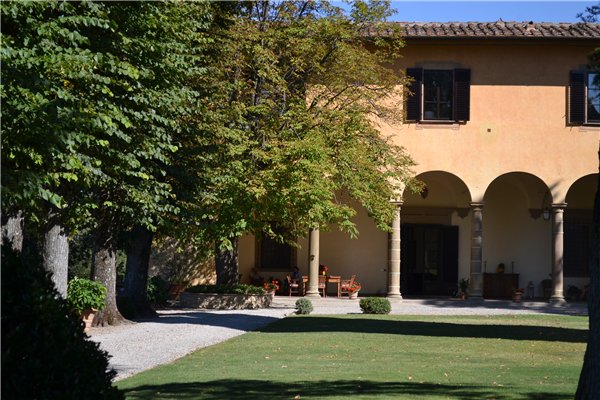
x,y
477,204
397,203
559,206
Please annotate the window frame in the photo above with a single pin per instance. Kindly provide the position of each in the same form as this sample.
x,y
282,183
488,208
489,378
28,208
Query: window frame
x,y
460,102
578,98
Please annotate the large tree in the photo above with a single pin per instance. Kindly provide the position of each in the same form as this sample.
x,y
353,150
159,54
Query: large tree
x,y
303,86
589,379
92,94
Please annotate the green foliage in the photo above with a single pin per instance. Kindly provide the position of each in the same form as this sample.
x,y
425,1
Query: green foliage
x,y
463,284
45,353
83,294
158,290
285,138
375,305
226,289
303,306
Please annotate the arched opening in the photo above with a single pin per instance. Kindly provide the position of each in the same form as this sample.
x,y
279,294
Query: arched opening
x,y
578,234
434,236
516,235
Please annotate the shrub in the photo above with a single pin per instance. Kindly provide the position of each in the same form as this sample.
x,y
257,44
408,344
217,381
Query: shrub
x,y
226,289
303,306
45,353
83,294
158,290
375,305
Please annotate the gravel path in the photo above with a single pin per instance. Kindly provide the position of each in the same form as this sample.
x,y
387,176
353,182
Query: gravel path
x,y
141,345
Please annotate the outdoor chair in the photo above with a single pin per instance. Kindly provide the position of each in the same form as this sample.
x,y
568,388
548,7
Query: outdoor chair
x,y
304,284
323,285
293,286
347,284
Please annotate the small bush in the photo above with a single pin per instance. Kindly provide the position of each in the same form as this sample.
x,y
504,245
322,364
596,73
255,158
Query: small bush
x,y
375,305
226,289
83,294
45,353
158,290
303,306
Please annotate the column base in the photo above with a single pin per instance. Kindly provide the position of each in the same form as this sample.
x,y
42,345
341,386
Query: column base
x,y
395,296
314,295
557,301
475,299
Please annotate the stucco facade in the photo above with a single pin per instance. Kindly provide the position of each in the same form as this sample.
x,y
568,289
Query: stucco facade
x,y
491,180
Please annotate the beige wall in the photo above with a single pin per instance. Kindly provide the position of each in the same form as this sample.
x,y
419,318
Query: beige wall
x,y
518,116
518,124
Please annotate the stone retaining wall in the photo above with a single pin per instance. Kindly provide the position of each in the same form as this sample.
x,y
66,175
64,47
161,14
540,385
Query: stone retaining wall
x,y
225,301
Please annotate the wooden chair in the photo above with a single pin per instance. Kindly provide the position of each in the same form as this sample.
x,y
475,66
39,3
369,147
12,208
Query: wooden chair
x,y
346,284
293,286
323,285
304,284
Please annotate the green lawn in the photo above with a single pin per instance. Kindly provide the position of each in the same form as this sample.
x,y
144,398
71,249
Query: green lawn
x,y
381,357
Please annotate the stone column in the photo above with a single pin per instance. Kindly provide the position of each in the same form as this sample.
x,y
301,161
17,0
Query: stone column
x,y
313,264
476,283
558,210
394,256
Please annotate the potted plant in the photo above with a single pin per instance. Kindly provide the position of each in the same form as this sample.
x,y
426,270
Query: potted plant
x,y
463,284
353,290
271,287
86,297
517,295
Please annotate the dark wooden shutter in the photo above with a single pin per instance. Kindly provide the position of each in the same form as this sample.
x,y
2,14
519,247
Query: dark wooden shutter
x,y
462,94
413,103
577,98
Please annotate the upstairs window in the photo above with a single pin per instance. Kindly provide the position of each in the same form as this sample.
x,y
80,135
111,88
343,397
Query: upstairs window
x,y
438,87
584,98
439,95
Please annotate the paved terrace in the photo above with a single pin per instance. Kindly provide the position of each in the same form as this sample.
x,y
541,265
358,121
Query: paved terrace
x,y
141,345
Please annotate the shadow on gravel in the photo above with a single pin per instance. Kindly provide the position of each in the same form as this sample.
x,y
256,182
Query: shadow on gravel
x,y
240,321
234,389
422,328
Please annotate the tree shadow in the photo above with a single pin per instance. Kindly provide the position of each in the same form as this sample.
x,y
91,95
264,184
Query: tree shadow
x,y
240,321
238,389
574,308
422,328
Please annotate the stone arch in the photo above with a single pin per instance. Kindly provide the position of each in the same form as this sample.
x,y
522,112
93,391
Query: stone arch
x,y
442,190
578,230
435,235
517,228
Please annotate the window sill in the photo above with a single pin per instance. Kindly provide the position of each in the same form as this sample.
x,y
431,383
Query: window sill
x,y
452,125
588,127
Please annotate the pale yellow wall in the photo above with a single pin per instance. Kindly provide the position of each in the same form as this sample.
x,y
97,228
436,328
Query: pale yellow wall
x,y
518,111
517,124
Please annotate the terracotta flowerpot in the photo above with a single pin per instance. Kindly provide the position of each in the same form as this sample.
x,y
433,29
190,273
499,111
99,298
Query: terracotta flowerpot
x,y
88,317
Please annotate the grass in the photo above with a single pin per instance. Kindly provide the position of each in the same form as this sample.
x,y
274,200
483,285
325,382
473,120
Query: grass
x,y
381,357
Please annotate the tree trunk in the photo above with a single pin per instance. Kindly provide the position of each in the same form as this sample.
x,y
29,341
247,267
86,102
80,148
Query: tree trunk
x,y
136,273
105,272
56,254
12,230
589,379
226,262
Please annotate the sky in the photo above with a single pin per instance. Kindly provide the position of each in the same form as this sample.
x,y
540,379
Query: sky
x,y
488,11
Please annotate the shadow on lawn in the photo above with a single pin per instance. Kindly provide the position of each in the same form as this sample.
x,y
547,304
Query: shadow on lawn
x,y
421,328
245,322
234,389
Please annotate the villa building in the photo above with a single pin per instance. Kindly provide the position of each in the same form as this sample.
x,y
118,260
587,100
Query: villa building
x,y
504,124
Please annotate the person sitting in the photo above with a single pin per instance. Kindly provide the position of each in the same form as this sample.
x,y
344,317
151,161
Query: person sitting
x,y
296,274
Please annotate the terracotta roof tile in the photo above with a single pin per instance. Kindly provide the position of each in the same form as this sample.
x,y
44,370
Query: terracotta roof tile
x,y
498,29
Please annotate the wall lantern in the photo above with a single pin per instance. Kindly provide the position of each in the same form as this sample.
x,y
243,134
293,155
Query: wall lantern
x,y
546,214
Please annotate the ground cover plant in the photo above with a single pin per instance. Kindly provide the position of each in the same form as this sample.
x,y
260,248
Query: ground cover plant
x,y
381,357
